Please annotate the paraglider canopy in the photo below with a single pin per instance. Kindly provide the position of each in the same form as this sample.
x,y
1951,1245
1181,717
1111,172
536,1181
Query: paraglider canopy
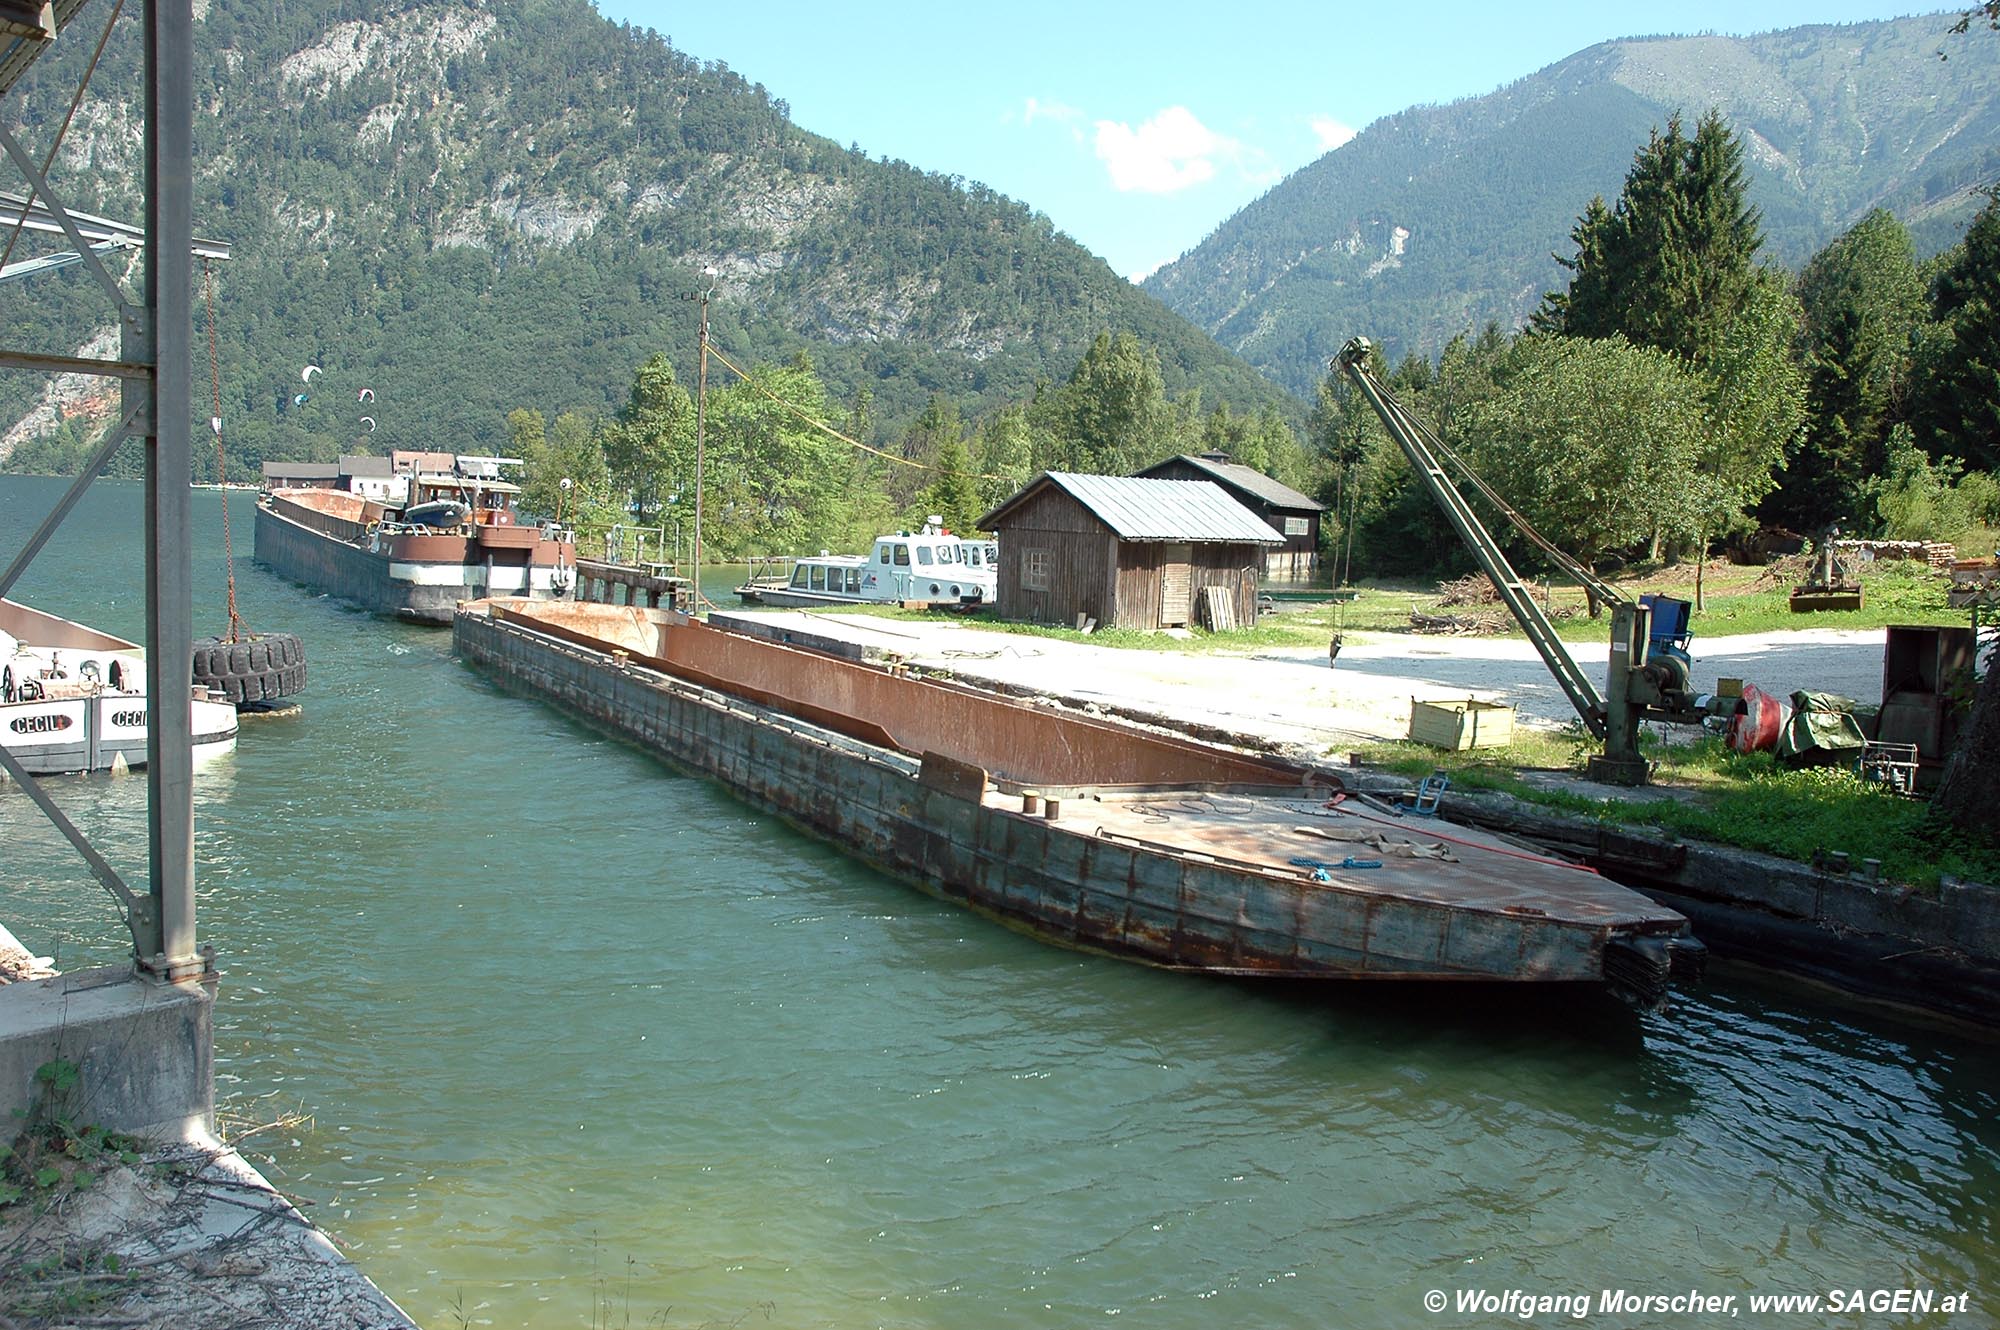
x,y
366,395
369,421
301,399
306,374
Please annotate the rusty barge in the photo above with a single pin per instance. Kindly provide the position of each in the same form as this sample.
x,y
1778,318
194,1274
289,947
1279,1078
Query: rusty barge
x,y
418,547
1088,833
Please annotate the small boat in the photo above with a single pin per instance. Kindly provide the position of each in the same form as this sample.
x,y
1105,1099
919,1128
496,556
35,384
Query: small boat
x,y
74,699
413,535
929,567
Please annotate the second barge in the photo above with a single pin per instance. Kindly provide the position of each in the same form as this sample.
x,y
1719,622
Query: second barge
x,y
1083,832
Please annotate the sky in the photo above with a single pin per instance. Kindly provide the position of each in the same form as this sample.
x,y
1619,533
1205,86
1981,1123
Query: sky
x,y
1137,129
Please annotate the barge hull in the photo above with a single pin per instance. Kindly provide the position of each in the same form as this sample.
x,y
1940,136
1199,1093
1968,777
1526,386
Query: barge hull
x,y
1077,880
418,588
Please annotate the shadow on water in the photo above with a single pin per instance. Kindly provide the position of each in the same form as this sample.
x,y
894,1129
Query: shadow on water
x,y
1497,1017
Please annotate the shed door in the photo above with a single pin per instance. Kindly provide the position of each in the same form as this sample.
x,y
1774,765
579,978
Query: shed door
x,y
1176,579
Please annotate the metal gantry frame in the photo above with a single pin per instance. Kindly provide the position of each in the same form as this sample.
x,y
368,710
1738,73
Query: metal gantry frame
x,y
154,368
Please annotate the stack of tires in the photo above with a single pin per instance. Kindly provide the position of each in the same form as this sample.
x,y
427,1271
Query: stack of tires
x,y
263,667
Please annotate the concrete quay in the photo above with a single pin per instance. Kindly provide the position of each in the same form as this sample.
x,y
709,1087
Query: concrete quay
x,y
199,1237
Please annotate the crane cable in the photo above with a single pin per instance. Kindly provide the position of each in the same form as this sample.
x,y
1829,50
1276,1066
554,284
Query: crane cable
x,y
828,429
215,423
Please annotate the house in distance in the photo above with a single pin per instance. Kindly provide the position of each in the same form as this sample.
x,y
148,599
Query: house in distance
x,y
1127,551
1289,513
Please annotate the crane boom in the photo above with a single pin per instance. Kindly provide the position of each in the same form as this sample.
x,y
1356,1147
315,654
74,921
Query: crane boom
x,y
1416,442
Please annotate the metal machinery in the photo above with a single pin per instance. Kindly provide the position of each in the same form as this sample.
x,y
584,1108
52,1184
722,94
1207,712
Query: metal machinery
x,y
1647,678
1830,585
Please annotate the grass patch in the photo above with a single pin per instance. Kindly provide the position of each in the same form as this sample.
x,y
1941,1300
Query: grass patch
x,y
1746,800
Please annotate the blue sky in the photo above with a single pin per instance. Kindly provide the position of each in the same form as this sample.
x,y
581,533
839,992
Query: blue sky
x,y
1137,129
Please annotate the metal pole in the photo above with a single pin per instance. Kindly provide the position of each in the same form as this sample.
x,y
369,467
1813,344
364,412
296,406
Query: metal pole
x,y
700,431
168,951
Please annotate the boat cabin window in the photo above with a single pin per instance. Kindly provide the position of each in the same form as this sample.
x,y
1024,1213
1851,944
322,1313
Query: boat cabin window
x,y
799,576
924,555
882,552
818,578
853,581
902,555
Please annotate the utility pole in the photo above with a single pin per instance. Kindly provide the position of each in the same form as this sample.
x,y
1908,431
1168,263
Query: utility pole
x,y
700,420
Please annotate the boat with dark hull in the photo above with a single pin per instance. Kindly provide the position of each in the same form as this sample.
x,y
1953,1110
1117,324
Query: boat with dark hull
x,y
1088,833
448,537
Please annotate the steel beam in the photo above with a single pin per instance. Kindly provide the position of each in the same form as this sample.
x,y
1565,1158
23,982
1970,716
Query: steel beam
x,y
168,951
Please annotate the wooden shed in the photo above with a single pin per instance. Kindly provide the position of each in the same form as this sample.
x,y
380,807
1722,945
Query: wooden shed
x,y
1289,513
1128,551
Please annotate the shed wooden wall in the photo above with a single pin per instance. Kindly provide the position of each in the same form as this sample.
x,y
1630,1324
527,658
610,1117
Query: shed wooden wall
x,y
1083,558
1092,573
1140,564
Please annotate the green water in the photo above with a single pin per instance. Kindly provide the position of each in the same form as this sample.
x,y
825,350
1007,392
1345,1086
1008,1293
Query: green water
x,y
586,1041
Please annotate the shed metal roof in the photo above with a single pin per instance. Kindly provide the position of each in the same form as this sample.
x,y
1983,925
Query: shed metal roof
x,y
361,464
300,471
1142,508
1248,479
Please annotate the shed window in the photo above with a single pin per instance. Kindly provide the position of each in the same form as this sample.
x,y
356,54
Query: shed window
x,y
1035,569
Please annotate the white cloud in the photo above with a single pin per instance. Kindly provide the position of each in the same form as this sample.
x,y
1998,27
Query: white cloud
x,y
1172,151
1331,133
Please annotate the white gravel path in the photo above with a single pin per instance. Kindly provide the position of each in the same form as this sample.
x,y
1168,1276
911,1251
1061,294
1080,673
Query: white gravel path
x,y
1294,697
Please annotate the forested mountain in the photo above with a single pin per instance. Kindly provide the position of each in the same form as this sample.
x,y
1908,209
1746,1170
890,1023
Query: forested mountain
x,y
473,206
1441,218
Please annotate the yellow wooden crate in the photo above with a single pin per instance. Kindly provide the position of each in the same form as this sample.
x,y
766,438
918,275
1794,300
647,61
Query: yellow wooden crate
x,y
1461,722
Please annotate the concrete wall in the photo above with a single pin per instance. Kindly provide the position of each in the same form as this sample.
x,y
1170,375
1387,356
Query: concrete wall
x,y
1845,927
145,1050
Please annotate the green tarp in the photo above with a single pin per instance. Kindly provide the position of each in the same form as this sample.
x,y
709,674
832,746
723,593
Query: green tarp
x,y
1821,732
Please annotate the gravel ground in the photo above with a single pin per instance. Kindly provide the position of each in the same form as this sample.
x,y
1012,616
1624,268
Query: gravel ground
x,y
1296,698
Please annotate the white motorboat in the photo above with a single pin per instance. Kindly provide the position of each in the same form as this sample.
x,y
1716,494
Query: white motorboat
x,y
931,567
74,699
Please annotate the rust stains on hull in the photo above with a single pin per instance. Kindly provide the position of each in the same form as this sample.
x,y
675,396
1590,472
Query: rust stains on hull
x,y
1086,833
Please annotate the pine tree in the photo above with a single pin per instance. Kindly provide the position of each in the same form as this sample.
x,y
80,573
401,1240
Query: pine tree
x,y
1957,407
1861,300
1671,264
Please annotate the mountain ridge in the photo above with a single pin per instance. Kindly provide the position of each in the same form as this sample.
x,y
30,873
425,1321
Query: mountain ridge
x,y
1486,189
477,206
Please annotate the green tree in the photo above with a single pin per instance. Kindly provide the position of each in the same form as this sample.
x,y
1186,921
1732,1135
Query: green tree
x,y
952,495
1757,408
1003,456
650,446
1669,265
1114,407
923,443
776,481
1594,441
1862,300
1957,406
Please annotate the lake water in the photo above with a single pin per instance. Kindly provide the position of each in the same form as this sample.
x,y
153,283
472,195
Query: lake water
x,y
586,1042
